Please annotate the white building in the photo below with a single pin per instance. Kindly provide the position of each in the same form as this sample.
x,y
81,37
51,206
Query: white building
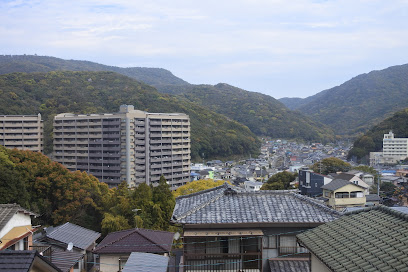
x,y
394,150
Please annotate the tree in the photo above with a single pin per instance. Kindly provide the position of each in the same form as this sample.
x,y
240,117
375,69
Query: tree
x,y
279,181
197,186
331,165
111,223
165,202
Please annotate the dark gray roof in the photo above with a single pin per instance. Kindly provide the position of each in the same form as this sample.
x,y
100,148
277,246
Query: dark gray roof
x,y
345,176
64,259
372,197
146,262
230,204
81,237
289,265
22,261
373,239
8,210
338,183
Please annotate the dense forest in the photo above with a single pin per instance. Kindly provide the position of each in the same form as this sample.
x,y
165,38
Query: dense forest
x,y
263,114
58,195
371,141
99,92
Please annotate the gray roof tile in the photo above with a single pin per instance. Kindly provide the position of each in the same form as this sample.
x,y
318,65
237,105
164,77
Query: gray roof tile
x,y
230,204
338,183
81,237
8,210
289,265
21,261
136,240
373,239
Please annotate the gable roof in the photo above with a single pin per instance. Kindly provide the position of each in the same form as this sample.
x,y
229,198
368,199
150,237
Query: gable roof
x,y
136,240
373,239
345,176
230,204
146,262
22,261
81,237
337,184
8,210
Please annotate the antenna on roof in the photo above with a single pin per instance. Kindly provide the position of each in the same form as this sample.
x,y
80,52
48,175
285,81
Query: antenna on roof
x,y
70,246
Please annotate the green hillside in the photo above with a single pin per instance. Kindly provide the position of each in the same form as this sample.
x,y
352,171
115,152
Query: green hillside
x,y
361,102
28,64
264,115
371,141
98,92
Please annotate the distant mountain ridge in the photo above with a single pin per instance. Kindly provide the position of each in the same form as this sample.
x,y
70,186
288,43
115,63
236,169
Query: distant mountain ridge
x,y
30,63
263,114
358,104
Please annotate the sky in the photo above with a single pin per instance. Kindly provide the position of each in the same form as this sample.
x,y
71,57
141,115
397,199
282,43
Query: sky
x,y
282,48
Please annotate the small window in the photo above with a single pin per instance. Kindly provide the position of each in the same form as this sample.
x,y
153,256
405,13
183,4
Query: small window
x,y
269,241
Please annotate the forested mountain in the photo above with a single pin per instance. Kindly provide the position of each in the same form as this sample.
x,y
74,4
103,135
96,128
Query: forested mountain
x,y
371,141
359,103
99,92
156,77
263,114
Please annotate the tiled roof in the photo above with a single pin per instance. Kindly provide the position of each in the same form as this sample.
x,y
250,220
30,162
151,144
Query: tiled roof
x,y
289,265
64,259
373,239
21,260
81,237
372,197
146,262
136,240
8,210
338,183
230,204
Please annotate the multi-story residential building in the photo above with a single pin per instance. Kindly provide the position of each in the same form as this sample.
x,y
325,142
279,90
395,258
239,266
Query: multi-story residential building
x,y
394,150
131,145
24,132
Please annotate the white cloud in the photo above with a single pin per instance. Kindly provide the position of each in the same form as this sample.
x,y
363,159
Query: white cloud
x,y
257,43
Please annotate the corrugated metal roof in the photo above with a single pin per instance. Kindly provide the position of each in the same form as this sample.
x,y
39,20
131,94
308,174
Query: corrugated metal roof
x,y
136,240
81,237
373,239
146,262
230,204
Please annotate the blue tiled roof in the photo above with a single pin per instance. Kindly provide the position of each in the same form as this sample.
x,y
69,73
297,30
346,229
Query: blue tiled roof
x,y
230,204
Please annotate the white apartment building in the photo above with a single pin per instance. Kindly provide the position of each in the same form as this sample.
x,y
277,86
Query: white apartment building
x,y
394,150
131,145
24,132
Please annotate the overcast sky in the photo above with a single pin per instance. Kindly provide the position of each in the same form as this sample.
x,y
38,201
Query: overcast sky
x,y
284,48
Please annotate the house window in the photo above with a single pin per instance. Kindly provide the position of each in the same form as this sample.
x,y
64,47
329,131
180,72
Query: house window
x,y
287,244
356,194
342,195
269,241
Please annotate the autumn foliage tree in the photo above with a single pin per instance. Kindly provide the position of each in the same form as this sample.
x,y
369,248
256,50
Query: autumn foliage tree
x,y
197,186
